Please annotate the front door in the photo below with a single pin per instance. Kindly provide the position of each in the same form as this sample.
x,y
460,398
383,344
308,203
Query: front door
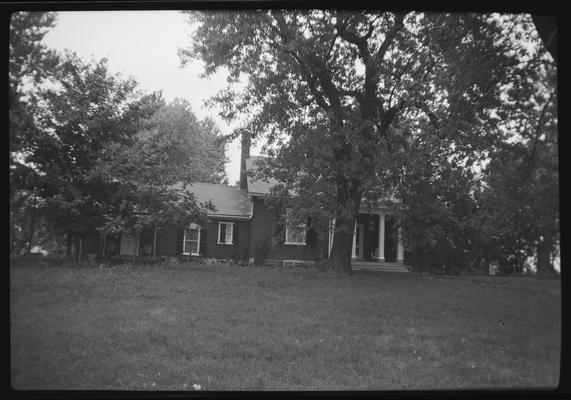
x,y
359,241
129,244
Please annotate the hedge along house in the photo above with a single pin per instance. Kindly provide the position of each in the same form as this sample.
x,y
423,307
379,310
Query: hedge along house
x,y
246,228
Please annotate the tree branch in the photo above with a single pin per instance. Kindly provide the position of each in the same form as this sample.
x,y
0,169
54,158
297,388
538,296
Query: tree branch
x,y
351,37
538,132
319,70
328,54
371,29
306,70
311,80
399,17
433,119
354,93
398,79
388,117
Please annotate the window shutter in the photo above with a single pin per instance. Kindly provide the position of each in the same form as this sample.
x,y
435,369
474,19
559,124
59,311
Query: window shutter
x,y
222,232
235,234
179,240
280,229
203,242
310,236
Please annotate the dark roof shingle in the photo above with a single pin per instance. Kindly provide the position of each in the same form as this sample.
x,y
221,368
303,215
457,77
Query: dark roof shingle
x,y
228,200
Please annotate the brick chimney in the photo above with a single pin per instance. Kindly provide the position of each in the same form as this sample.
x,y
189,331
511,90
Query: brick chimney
x,y
244,153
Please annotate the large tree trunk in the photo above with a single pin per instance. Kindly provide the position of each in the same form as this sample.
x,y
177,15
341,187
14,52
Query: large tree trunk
x,y
348,198
342,246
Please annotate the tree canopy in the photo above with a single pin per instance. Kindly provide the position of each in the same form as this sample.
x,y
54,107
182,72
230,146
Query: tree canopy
x,y
98,154
174,148
30,62
353,103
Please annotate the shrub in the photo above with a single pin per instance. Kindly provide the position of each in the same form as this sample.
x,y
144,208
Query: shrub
x,y
240,255
262,252
323,265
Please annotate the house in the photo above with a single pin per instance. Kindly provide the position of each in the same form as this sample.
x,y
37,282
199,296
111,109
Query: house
x,y
246,228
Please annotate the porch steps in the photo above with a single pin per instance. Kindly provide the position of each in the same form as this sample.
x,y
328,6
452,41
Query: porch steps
x,y
379,266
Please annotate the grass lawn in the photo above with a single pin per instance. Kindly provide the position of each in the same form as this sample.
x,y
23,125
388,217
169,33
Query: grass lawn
x,y
246,328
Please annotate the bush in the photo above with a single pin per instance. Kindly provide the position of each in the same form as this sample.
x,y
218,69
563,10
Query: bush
x,y
262,252
323,265
240,255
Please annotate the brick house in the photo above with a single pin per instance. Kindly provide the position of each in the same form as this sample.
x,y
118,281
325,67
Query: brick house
x,y
245,228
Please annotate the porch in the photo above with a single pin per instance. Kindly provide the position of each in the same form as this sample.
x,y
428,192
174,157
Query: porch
x,y
378,266
377,243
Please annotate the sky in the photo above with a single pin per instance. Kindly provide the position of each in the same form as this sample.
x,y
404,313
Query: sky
x,y
144,44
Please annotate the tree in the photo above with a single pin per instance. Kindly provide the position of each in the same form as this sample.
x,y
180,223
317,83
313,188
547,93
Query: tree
x,y
30,62
362,85
150,173
520,203
103,157
190,149
79,112
491,210
439,211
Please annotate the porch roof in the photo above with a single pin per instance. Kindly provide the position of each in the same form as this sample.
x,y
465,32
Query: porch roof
x,y
377,207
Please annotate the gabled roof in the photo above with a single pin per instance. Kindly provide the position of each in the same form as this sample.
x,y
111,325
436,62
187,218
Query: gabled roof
x,y
230,201
258,186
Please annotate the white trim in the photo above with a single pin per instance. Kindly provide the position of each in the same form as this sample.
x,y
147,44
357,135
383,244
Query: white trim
x,y
229,216
381,238
231,232
186,253
360,229
331,235
353,249
400,247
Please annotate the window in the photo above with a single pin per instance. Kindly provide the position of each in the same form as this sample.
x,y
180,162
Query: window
x,y
294,233
225,232
191,241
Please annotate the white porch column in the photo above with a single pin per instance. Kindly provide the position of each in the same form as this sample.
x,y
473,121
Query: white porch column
x,y
353,253
381,255
400,247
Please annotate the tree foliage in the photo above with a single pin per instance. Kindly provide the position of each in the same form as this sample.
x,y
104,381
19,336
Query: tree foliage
x,y
520,206
343,98
103,157
151,172
191,149
80,111
30,63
